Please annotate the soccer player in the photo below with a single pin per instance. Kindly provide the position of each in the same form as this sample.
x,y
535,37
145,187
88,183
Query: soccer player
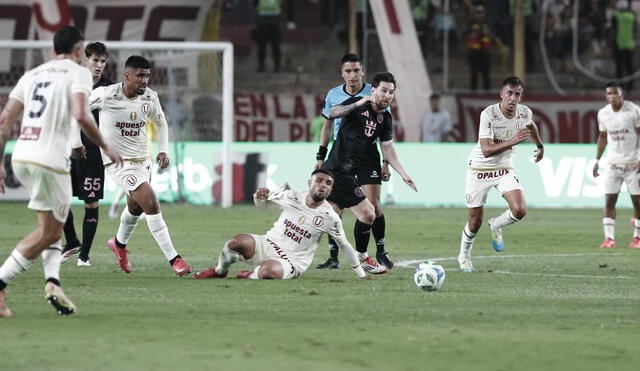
x,y
364,121
124,110
619,125
87,170
287,249
490,164
50,95
370,175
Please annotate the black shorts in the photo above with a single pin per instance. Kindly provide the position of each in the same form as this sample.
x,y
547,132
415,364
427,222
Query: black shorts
x,y
369,171
346,191
87,177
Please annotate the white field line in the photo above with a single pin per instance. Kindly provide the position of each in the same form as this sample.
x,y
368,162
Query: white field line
x,y
413,263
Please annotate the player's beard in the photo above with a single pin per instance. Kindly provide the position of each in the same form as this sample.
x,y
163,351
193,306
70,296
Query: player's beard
x,y
318,198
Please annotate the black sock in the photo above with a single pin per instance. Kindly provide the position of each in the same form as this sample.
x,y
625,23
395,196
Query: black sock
x,y
174,260
53,280
333,248
89,226
120,245
2,285
362,233
70,232
377,229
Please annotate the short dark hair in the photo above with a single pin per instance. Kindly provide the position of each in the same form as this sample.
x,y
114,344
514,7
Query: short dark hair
x,y
434,96
136,61
383,76
95,48
65,38
513,81
350,57
613,84
322,171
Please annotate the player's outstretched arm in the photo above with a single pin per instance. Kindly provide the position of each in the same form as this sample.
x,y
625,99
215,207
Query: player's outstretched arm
x,y
341,111
535,135
88,125
338,235
602,144
261,198
9,115
389,152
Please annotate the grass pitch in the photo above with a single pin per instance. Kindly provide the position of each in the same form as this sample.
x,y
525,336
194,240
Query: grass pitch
x,y
552,300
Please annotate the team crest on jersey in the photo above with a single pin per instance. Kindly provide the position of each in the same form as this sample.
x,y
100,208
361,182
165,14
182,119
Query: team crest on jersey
x,y
318,221
380,118
133,116
131,180
520,125
146,108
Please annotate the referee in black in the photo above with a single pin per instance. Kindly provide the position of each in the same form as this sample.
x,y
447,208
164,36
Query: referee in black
x,y
87,170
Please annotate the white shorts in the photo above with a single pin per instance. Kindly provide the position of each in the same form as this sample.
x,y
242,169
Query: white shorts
x,y
616,174
480,182
267,250
131,174
49,190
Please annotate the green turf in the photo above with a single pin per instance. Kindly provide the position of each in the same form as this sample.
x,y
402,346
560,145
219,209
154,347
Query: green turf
x,y
539,312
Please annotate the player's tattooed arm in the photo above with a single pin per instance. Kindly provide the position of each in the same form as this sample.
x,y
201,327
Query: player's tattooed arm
x,y
341,111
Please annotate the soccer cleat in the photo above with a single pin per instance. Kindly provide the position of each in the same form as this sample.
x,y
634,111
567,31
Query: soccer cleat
x,y
465,265
56,297
67,252
496,237
180,267
370,265
331,263
608,243
383,258
635,243
121,255
82,263
244,274
209,273
5,312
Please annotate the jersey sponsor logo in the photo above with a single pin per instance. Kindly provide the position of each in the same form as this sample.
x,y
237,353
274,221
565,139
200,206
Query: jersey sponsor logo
x,y
134,126
492,174
370,128
146,108
279,251
294,231
318,221
30,133
131,180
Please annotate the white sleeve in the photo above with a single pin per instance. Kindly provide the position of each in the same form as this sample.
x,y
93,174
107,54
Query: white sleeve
x,y
601,126
82,82
157,116
273,201
19,91
485,130
337,233
96,101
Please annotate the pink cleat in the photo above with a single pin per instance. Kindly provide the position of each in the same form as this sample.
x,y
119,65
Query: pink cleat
x,y
635,243
608,243
180,267
209,273
121,255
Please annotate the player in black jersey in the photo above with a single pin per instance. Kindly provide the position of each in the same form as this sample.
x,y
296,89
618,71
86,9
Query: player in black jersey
x,y
364,120
87,170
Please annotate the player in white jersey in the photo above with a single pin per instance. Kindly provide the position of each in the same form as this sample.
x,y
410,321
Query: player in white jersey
x,y
124,109
50,95
490,165
287,249
619,126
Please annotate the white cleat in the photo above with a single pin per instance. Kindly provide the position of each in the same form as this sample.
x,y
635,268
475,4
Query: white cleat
x,y
371,266
82,263
464,262
496,237
56,297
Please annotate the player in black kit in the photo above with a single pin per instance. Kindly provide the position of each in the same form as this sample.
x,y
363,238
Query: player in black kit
x,y
87,170
364,120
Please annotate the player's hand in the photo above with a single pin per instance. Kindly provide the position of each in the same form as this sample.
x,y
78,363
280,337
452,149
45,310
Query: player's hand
x,y
3,176
113,155
410,182
162,160
319,164
595,169
385,172
364,101
521,135
538,154
262,193
79,152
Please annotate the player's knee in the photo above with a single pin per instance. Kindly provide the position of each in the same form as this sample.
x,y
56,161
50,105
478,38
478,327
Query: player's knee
x,y
49,237
519,212
270,271
474,224
377,209
368,217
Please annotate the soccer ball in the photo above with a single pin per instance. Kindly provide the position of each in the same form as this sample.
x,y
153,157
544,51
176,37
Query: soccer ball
x,y
429,276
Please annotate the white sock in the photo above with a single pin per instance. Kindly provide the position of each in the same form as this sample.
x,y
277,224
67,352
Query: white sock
x,y
636,227
128,223
51,258
609,225
15,264
254,274
362,255
227,257
504,220
466,242
160,233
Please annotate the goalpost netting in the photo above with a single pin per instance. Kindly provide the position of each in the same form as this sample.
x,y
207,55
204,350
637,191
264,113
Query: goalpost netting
x,y
194,81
